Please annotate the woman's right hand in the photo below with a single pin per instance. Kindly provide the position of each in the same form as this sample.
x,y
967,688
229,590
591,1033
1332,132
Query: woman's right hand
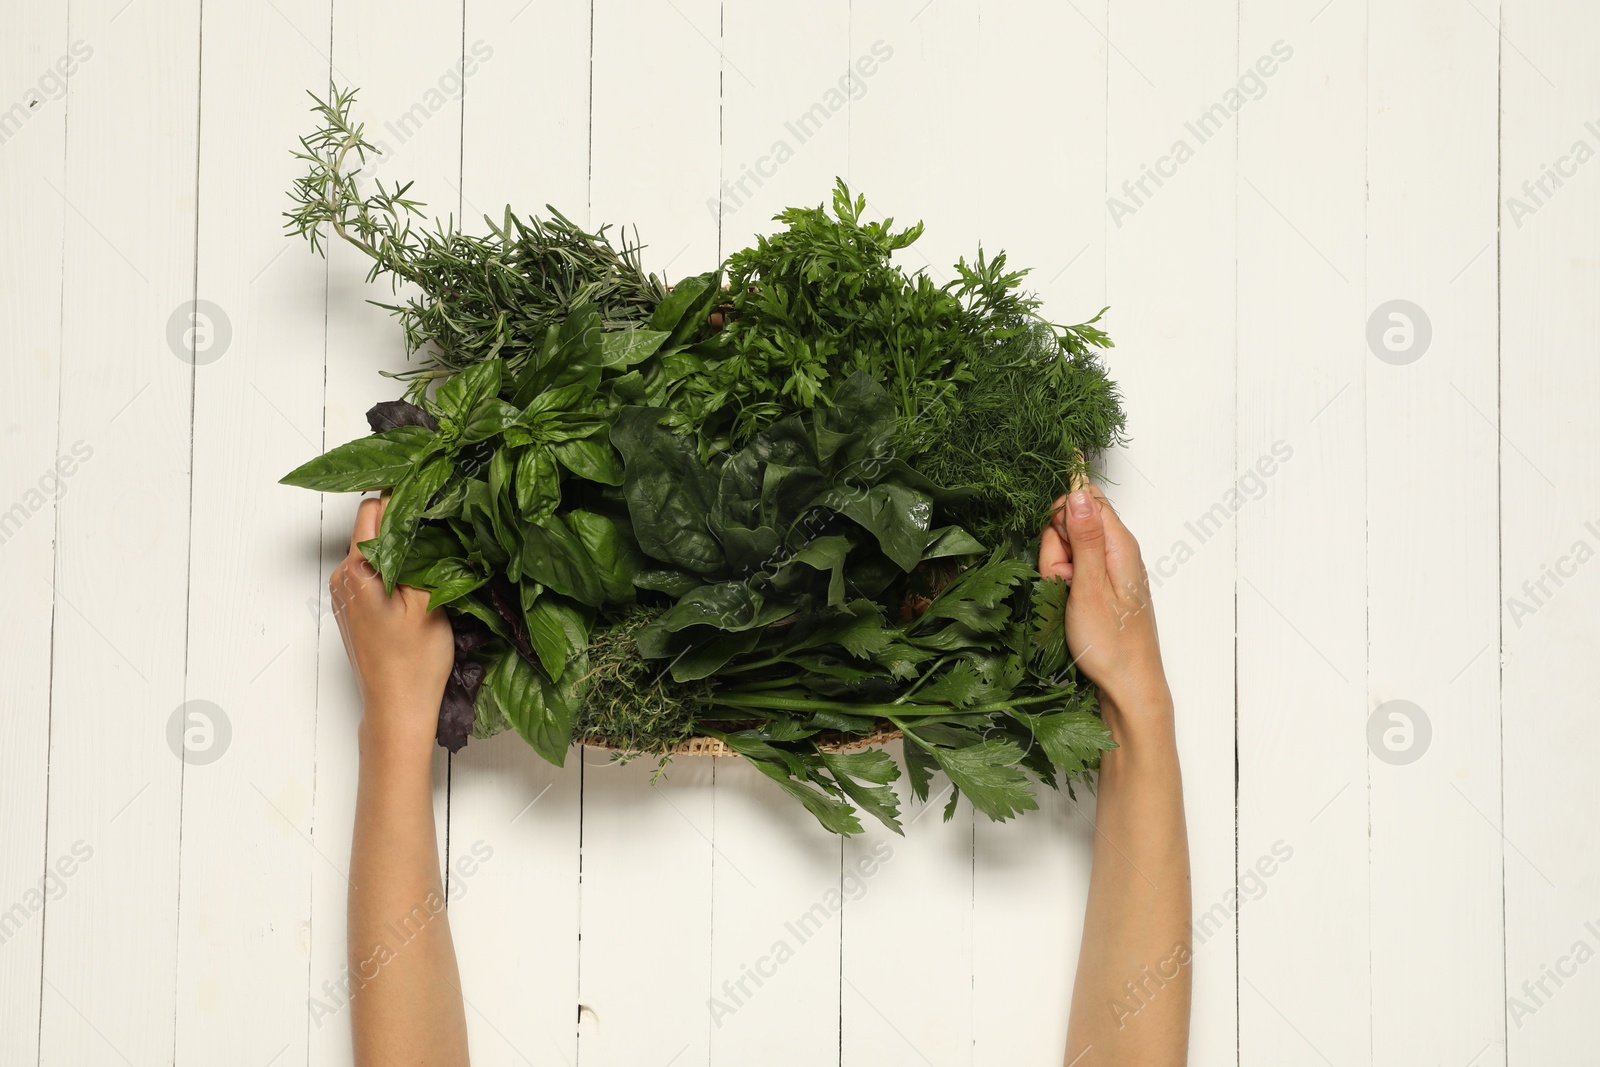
x,y
1111,625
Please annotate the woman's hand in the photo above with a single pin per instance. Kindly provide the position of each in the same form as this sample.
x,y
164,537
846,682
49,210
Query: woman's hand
x,y
407,1005
1111,626
1139,908
401,652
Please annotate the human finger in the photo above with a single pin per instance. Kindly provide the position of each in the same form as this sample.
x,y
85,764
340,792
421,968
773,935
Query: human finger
x,y
369,516
1086,533
1055,553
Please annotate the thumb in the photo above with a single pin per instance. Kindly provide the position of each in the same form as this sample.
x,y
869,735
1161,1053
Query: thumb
x,y
369,517
1086,532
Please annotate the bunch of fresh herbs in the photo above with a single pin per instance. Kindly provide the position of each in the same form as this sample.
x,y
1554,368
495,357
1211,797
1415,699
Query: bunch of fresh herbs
x,y
788,514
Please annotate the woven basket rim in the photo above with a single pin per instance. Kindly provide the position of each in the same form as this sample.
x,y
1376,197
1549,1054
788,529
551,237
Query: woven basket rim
x,y
711,746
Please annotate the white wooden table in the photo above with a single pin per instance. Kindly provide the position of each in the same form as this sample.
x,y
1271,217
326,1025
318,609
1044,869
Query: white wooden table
x,y
1345,502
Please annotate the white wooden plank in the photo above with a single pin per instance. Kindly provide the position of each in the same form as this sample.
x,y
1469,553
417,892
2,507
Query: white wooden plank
x,y
32,143
400,57
515,920
1170,283
1550,525
647,852
773,958
1303,986
656,120
1041,65
647,875
907,953
246,867
1436,852
786,110
118,663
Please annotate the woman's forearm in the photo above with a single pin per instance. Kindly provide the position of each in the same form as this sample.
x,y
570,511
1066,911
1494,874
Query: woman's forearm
x,y
1130,1003
407,1008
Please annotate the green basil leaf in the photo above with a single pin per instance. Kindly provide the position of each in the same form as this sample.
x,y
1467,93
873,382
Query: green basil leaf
x,y
376,462
685,310
595,460
555,557
542,711
446,581
538,484
558,632
460,395
398,529
621,349
448,506
437,564
490,417
607,551
557,399
570,356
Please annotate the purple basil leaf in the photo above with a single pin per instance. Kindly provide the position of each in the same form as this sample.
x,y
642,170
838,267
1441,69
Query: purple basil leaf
x,y
456,714
391,413
470,634
503,597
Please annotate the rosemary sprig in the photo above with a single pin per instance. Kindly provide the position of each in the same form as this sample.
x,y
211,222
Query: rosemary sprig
x,y
480,297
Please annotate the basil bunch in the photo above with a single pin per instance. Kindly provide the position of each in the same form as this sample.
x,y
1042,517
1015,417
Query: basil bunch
x,y
505,506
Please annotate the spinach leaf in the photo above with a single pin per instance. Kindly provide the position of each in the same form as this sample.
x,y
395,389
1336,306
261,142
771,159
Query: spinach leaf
x,y
670,493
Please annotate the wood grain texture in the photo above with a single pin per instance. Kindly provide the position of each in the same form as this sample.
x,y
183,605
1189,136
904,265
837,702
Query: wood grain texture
x,y
34,219
123,534
1437,856
247,867
1549,528
1302,471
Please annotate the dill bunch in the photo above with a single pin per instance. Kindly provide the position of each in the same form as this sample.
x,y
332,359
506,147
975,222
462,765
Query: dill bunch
x,y
1038,403
629,702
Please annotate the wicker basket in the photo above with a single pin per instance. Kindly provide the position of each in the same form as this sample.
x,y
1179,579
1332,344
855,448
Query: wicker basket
x,y
710,746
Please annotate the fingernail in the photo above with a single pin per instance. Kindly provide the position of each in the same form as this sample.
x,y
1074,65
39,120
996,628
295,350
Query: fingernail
x,y
1079,504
